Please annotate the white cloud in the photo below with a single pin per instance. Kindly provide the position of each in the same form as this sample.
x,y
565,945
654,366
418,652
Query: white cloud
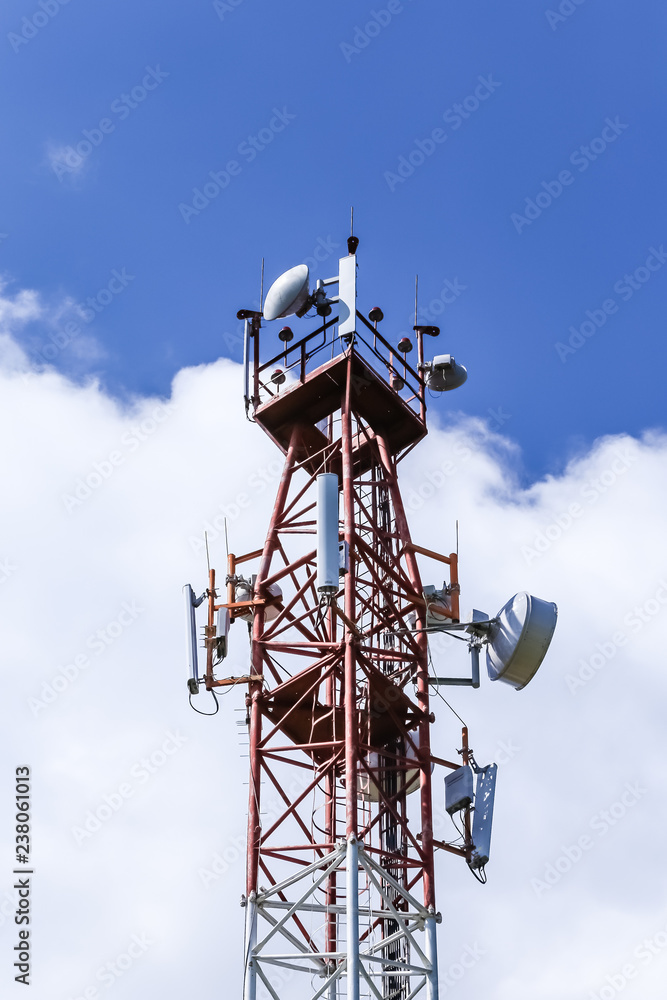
x,y
34,332
127,540
15,313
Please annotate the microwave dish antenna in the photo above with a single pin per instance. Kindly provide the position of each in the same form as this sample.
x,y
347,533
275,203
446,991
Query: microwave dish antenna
x,y
288,295
519,639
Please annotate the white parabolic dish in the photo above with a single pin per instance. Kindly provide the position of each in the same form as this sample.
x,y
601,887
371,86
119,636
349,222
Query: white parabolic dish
x,y
519,641
287,294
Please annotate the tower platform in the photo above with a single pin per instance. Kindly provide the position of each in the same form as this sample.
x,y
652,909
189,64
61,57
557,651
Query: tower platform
x,y
312,398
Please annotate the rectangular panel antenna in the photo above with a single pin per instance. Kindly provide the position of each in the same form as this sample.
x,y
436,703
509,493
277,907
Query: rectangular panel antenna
x,y
483,815
191,636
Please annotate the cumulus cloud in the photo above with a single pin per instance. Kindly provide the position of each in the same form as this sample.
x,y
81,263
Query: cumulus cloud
x,y
35,333
15,313
103,511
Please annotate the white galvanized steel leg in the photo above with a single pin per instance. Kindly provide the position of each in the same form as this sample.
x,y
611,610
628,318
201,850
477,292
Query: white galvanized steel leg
x,y
250,972
431,952
352,916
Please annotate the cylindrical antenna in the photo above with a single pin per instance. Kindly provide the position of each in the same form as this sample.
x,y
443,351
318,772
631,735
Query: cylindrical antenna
x,y
328,560
227,540
416,291
351,220
261,289
457,537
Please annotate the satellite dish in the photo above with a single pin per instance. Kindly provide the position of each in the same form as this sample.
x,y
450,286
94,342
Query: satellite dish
x,y
288,294
519,639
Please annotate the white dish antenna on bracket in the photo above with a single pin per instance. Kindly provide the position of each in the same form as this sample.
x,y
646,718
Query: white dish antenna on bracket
x,y
288,295
443,373
516,641
519,639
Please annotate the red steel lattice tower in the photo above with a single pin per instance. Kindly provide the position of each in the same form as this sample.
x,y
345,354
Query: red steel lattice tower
x,y
340,894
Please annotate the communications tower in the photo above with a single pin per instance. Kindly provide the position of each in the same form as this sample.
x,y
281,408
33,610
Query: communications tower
x,y
340,893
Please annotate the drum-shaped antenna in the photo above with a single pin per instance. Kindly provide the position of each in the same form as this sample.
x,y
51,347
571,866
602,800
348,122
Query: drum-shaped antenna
x,y
519,639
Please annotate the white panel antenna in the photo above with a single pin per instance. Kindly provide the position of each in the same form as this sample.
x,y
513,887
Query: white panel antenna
x,y
191,603
483,815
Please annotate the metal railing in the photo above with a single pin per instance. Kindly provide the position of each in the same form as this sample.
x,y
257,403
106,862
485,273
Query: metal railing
x,y
295,359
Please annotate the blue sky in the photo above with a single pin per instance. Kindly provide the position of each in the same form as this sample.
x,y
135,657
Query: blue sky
x,y
352,103
515,243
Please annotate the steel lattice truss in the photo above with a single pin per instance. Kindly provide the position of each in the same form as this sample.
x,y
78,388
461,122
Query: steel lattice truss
x,y
342,703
